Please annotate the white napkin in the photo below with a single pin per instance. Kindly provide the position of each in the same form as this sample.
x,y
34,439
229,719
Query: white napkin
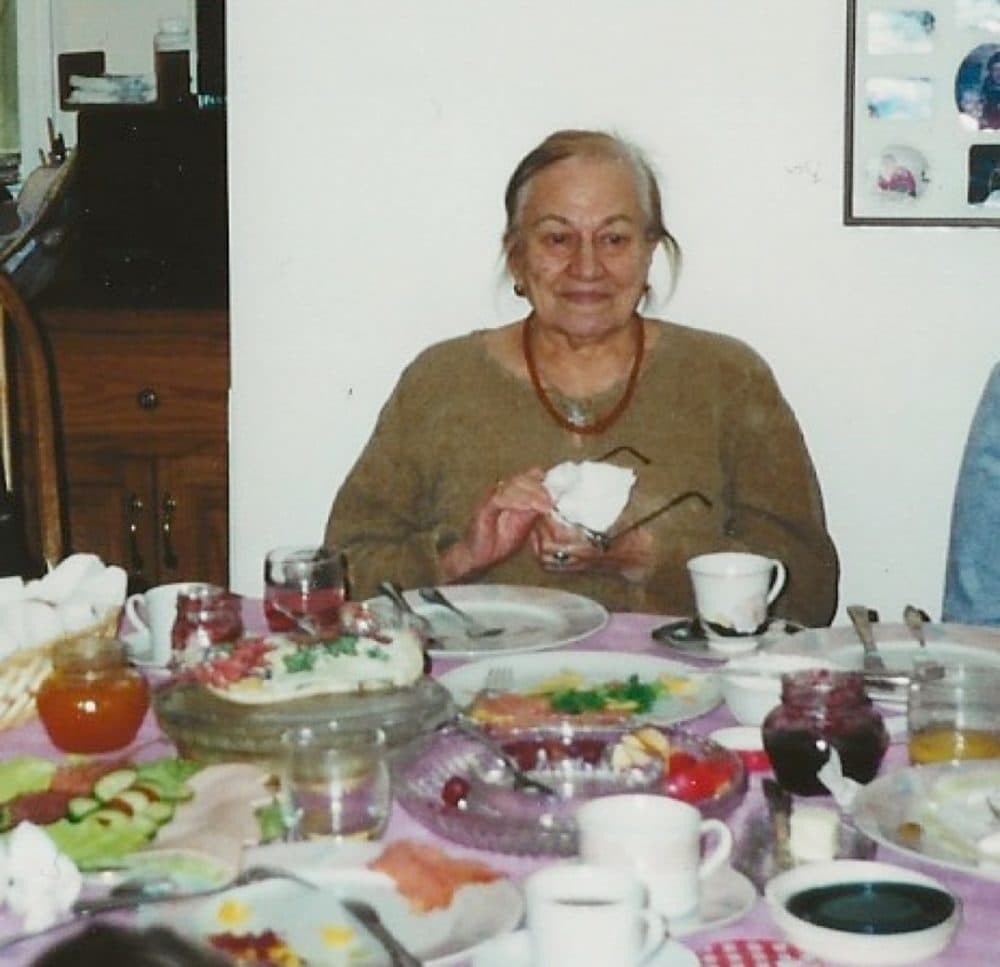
x,y
39,883
843,789
589,493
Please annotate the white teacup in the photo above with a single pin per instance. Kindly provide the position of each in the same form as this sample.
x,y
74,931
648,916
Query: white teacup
x,y
580,914
732,591
657,839
152,614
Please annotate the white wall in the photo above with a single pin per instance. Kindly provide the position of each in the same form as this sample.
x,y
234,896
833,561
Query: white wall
x,y
370,146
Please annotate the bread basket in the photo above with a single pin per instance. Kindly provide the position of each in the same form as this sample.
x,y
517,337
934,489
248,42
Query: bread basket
x,y
23,671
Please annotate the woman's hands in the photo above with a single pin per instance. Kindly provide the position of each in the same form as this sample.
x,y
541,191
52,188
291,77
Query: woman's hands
x,y
500,525
561,547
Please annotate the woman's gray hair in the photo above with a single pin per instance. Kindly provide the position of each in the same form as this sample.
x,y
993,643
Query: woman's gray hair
x,y
572,143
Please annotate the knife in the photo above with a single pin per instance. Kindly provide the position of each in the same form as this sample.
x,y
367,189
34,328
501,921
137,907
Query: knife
x,y
862,618
779,807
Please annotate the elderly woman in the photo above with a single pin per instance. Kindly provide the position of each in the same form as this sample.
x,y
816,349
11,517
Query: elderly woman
x,y
450,486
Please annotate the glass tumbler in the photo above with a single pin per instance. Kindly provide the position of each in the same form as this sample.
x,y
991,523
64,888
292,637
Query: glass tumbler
x,y
335,783
304,588
954,714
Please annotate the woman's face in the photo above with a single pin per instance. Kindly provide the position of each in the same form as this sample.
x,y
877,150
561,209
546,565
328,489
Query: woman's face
x,y
581,252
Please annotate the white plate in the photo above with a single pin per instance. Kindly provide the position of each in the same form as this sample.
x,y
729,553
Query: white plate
x,y
949,644
593,667
440,938
948,804
513,951
533,619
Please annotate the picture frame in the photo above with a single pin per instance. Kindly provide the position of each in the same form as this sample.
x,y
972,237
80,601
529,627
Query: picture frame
x,y
922,126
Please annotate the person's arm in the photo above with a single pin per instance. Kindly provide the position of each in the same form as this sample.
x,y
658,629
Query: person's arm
x,y
772,503
972,574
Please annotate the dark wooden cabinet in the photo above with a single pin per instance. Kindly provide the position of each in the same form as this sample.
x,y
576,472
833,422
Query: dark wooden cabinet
x,y
143,397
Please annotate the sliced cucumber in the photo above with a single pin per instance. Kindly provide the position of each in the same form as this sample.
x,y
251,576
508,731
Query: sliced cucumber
x,y
110,818
145,824
138,801
153,791
110,785
80,806
161,812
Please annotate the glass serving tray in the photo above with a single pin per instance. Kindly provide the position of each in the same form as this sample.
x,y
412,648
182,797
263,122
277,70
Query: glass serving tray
x,y
497,818
207,728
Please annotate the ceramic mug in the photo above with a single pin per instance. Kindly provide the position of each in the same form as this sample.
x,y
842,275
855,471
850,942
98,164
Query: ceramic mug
x,y
152,614
733,589
657,839
581,914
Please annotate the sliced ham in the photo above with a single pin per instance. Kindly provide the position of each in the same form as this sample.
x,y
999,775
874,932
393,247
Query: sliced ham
x,y
509,710
427,876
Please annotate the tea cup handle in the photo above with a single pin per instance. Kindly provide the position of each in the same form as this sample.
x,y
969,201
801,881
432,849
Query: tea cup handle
x,y
655,934
780,575
132,605
720,851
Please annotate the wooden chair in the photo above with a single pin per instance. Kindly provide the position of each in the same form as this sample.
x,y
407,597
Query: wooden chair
x,y
31,474
28,428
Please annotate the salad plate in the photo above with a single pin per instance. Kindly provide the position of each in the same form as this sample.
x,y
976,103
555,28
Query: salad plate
x,y
319,929
936,813
684,693
532,618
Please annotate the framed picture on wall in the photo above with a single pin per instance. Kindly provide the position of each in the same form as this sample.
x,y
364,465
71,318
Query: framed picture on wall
x,y
922,143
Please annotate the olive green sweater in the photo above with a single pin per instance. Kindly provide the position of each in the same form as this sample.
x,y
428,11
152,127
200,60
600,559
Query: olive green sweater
x,y
706,411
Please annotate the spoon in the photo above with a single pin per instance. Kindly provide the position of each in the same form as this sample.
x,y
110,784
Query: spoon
x,y
395,594
914,618
521,778
399,956
473,628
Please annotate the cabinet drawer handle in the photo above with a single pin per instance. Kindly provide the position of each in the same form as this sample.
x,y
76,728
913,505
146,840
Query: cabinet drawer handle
x,y
170,560
147,398
133,510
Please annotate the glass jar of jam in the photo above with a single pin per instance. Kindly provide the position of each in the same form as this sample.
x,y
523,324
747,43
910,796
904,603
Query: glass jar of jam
x,y
206,615
822,709
92,700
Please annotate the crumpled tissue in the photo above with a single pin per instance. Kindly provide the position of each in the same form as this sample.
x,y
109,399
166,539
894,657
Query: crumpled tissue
x,y
589,493
38,883
843,789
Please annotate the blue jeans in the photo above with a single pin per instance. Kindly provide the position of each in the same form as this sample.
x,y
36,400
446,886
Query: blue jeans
x,y
972,575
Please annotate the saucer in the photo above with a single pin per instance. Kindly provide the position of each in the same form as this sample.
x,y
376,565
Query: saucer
x,y
687,637
726,896
138,646
512,950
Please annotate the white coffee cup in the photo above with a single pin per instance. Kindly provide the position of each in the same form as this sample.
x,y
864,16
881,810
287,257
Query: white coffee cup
x,y
580,914
152,614
732,591
659,840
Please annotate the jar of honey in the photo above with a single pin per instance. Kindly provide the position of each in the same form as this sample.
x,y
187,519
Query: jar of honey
x,y
952,714
822,710
92,700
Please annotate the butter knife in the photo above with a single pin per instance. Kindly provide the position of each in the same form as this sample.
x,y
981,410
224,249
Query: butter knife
x,y
862,618
779,806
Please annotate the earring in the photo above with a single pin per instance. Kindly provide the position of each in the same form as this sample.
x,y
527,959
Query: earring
x,y
519,290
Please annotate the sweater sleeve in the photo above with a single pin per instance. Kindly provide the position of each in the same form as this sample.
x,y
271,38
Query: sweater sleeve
x,y
771,498
972,574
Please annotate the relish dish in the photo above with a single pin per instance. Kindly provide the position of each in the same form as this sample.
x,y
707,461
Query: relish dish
x,y
461,790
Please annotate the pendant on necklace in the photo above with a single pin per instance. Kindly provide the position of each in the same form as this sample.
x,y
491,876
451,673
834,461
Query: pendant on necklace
x,y
575,413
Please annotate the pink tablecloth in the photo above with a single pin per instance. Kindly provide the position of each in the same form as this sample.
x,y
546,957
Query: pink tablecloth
x,y
980,898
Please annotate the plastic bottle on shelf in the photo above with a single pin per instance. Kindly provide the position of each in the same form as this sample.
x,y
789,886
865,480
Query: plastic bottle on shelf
x,y
172,62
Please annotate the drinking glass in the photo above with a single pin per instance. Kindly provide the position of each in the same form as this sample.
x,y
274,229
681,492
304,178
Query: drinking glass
x,y
303,587
335,783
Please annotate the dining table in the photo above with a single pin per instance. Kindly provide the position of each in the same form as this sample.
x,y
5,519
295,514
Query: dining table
x,y
625,633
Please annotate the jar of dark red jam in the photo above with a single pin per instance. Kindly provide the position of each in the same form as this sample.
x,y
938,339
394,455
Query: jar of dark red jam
x,y
822,709
92,700
206,615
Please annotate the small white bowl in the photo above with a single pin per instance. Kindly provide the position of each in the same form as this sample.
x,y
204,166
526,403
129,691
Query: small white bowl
x,y
747,742
845,946
751,696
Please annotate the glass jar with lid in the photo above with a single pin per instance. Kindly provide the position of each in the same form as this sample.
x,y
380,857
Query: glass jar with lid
x,y
822,710
92,700
953,713
207,615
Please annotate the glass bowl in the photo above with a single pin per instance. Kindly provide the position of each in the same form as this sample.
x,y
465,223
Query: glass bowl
x,y
578,763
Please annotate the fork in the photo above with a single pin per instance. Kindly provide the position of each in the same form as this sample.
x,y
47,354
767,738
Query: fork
x,y
499,678
399,956
473,628
862,618
132,900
